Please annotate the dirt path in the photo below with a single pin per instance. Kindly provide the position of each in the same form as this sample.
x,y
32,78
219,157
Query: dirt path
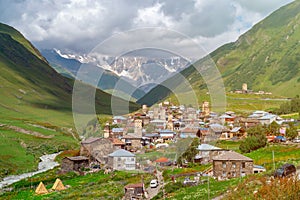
x,y
152,192
28,132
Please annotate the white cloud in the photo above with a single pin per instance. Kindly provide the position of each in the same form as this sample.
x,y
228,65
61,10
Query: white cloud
x,y
152,16
79,25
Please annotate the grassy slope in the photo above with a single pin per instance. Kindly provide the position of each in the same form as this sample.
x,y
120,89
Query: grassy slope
x,y
91,186
16,35
96,185
31,92
266,58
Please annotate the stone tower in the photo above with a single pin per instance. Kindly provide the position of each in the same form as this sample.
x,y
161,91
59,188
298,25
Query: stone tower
x,y
138,126
162,115
170,125
244,87
155,113
205,108
144,108
106,130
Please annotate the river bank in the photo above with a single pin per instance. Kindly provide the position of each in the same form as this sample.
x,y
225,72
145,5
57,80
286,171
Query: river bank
x,y
47,162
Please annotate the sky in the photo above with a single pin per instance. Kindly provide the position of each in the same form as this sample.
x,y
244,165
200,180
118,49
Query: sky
x,y
80,25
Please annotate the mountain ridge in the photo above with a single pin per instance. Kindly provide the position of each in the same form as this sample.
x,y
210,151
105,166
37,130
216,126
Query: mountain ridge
x,y
70,66
31,87
267,57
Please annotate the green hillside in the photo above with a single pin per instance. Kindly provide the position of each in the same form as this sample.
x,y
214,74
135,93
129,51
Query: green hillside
x,y
16,35
267,58
35,105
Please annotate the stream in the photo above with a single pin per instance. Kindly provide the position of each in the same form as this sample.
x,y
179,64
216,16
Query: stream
x,y
47,162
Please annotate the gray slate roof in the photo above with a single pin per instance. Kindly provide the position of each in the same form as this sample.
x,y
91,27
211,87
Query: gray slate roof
x,y
121,153
231,155
90,140
76,158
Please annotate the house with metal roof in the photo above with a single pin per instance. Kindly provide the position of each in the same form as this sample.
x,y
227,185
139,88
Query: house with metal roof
x,y
117,132
226,119
119,120
267,119
167,134
237,132
207,153
121,160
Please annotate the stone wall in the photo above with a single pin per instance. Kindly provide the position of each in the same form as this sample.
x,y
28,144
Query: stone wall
x,y
231,169
97,150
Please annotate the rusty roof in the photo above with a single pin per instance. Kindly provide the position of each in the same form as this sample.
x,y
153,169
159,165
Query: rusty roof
x,y
116,141
162,160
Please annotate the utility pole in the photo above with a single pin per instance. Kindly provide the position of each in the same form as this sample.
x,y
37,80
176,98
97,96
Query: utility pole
x,y
208,195
273,160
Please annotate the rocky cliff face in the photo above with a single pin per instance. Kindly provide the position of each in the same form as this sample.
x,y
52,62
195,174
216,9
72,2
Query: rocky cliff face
x,y
138,70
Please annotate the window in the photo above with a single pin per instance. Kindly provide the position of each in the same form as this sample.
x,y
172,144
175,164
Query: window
x,y
224,174
243,164
233,165
132,159
224,164
130,166
233,174
119,159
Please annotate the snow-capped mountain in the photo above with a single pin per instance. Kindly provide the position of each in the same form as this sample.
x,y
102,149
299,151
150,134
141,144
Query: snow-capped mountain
x,y
139,70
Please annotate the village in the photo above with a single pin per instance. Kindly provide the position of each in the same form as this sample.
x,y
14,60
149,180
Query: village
x,y
127,140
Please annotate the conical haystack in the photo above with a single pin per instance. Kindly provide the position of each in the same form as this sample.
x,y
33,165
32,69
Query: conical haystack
x,y
41,189
58,185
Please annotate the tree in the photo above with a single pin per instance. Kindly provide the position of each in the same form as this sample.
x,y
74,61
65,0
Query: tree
x,y
295,104
273,128
256,139
190,152
256,130
290,107
291,132
253,143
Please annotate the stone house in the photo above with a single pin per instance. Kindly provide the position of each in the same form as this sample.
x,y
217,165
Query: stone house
x,y
231,164
158,123
167,134
119,120
97,149
132,142
248,122
134,191
121,160
74,163
117,144
190,132
226,119
117,132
